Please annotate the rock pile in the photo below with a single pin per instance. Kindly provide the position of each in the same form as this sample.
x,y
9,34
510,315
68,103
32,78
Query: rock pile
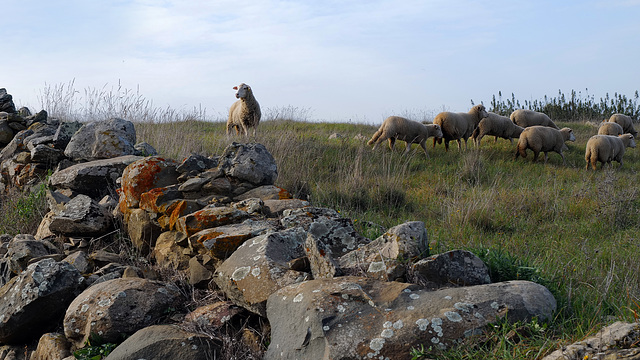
x,y
325,290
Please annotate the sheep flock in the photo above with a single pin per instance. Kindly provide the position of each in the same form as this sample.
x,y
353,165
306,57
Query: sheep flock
x,y
533,130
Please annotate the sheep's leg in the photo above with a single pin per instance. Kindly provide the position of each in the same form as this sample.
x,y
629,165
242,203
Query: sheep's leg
x,y
459,144
535,155
446,145
392,143
423,145
408,148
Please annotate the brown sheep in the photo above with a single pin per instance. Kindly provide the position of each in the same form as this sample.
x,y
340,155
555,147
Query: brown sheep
x,y
244,113
626,122
456,126
498,126
413,132
610,128
606,148
526,118
543,139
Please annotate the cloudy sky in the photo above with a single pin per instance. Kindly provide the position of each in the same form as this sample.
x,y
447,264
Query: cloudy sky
x,y
343,60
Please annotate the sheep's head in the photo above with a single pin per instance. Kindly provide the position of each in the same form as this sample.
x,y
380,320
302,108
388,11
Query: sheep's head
x,y
436,130
628,138
568,134
480,110
243,91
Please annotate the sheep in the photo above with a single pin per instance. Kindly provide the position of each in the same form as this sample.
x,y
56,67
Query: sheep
x,y
526,118
605,148
610,128
626,122
543,138
244,113
498,126
413,132
456,126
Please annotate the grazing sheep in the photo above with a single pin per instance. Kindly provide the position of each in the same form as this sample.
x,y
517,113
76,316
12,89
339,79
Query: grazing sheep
x,y
456,126
413,132
626,122
526,118
543,138
605,148
498,126
610,128
244,113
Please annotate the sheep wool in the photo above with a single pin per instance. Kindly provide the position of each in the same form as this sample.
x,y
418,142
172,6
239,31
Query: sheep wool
x,y
526,118
498,126
244,113
626,122
606,148
398,128
610,128
543,139
457,126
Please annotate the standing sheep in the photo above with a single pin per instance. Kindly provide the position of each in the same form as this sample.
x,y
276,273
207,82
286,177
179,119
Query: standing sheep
x,y
413,132
244,113
543,138
610,128
498,126
456,126
526,118
626,122
605,148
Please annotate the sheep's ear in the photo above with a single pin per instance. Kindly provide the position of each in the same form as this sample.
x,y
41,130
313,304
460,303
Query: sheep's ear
x,y
235,88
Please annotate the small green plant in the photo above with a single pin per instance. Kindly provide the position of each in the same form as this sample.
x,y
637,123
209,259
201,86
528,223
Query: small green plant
x,y
94,349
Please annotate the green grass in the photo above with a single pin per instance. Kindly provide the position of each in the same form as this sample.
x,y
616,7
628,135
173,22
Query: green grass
x,y
577,230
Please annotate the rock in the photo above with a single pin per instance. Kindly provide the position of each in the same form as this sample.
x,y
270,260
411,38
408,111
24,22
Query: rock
x,y
102,140
146,174
260,266
46,154
213,316
142,231
385,257
222,241
80,261
95,178
277,207
209,217
328,239
249,162
616,341
23,248
6,102
199,275
15,145
64,132
81,216
34,300
452,268
166,342
169,253
6,133
52,346
115,307
12,352
145,149
305,216
266,192
252,206
159,199
361,318
197,163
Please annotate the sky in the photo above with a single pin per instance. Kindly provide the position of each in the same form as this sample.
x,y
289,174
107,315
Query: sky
x,y
341,61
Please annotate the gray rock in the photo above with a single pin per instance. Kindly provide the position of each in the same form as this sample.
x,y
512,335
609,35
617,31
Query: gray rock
x,y
304,217
52,346
166,342
64,132
222,241
260,266
115,307
46,154
24,248
197,163
80,261
278,207
145,149
6,133
266,192
102,140
6,102
362,318
81,216
36,298
95,178
249,162
15,145
452,268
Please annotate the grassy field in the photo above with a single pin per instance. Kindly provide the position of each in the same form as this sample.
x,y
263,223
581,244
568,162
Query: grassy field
x,y
574,230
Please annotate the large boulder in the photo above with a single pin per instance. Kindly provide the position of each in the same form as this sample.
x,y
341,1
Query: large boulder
x,y
23,249
52,346
35,299
452,268
363,318
250,163
118,306
95,178
6,101
166,342
143,175
81,216
260,266
102,140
